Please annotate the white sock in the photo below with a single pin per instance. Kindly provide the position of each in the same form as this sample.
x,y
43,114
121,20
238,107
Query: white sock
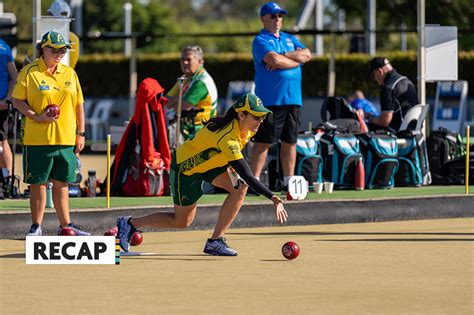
x,y
257,177
286,179
5,172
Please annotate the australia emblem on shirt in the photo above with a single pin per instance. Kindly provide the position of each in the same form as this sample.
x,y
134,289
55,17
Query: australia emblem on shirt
x,y
43,86
235,149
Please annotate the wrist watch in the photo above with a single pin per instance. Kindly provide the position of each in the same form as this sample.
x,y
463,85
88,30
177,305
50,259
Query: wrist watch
x,y
82,134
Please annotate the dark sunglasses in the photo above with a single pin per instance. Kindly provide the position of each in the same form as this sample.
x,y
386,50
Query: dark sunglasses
x,y
257,118
274,16
62,50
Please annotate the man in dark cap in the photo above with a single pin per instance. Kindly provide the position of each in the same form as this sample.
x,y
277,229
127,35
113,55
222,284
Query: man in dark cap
x,y
397,94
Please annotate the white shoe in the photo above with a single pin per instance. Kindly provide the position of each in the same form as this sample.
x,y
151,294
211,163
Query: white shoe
x,y
35,230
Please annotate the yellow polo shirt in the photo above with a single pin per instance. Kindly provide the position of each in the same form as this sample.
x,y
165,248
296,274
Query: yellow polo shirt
x,y
39,88
209,150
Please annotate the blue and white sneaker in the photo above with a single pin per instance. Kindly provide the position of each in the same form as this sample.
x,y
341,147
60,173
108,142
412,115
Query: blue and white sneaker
x,y
74,227
125,232
35,230
218,247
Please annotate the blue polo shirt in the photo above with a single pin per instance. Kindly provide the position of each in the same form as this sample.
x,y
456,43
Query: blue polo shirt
x,y
5,57
366,105
280,86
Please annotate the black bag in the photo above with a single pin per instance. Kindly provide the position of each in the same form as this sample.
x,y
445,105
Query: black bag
x,y
274,172
413,169
380,156
340,153
454,171
338,116
341,125
308,161
336,107
3,186
443,146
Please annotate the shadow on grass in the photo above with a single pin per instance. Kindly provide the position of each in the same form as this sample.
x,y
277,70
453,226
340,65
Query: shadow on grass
x,y
147,257
16,256
170,257
401,240
17,206
352,233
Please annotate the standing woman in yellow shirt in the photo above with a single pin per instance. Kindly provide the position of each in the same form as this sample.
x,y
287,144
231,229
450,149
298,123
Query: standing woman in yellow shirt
x,y
50,141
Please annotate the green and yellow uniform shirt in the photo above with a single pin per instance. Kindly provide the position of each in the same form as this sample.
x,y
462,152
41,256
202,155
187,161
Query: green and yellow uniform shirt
x,y
201,92
39,88
210,150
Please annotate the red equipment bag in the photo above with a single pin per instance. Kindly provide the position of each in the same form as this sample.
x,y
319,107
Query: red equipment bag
x,y
143,158
144,178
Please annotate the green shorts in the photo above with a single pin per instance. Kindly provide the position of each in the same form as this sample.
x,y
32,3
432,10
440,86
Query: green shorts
x,y
44,162
186,190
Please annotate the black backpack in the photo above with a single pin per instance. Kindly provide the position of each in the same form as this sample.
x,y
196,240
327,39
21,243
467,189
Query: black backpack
x,y
443,146
3,186
336,107
454,171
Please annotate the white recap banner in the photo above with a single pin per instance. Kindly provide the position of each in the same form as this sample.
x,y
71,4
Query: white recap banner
x,y
86,250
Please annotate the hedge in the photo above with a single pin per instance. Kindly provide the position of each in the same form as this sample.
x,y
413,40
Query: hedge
x,y
108,75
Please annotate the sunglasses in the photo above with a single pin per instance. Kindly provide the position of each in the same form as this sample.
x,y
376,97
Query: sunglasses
x,y
257,118
274,16
62,50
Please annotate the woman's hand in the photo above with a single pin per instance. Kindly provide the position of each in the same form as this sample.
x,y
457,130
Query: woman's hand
x,y
80,143
280,211
44,118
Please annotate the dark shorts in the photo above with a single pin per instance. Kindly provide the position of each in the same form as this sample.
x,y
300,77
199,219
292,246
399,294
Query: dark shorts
x,y
44,162
3,125
187,190
283,125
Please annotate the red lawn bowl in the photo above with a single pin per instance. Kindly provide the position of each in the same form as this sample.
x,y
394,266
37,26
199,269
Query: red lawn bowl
x,y
137,239
52,110
290,250
111,232
67,232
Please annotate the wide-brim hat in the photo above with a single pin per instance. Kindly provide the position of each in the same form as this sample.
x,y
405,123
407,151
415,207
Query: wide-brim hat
x,y
252,104
54,39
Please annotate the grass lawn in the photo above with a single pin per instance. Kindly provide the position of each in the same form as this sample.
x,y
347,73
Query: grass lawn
x,y
99,202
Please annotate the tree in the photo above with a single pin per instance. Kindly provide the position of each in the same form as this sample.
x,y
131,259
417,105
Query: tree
x,y
392,13
107,16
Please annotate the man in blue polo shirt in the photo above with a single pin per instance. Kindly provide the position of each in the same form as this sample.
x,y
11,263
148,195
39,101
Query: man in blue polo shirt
x,y
278,58
8,74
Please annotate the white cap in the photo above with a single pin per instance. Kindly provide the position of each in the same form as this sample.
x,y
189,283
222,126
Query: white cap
x,y
59,8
